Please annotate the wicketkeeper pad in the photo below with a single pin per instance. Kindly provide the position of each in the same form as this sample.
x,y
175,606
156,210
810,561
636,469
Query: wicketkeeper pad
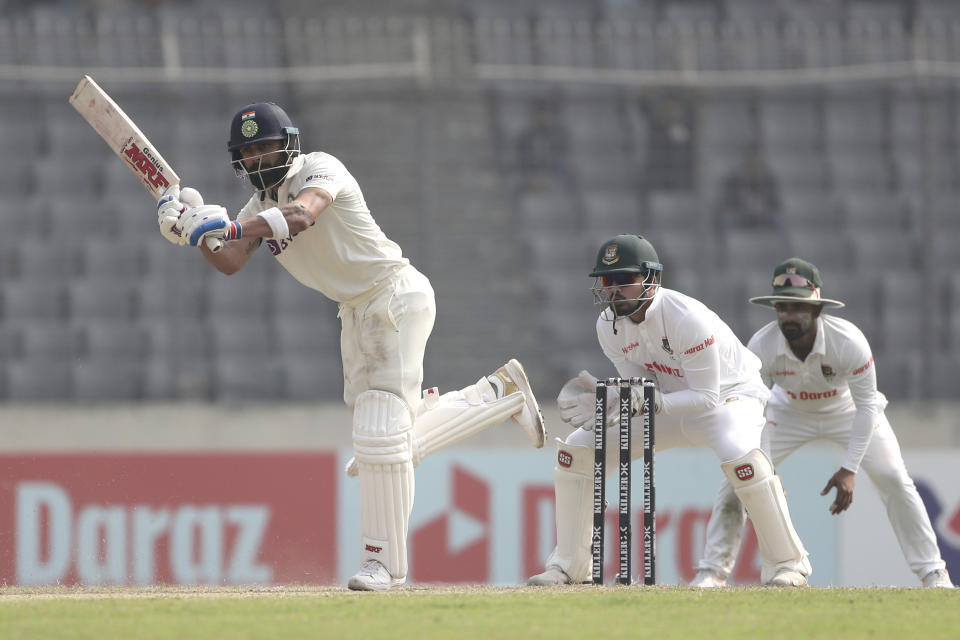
x,y
383,446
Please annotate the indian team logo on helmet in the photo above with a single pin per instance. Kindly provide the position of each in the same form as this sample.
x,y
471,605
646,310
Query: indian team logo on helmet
x,y
249,128
611,255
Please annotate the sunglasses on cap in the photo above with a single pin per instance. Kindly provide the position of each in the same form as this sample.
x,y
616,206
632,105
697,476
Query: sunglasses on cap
x,y
618,279
792,280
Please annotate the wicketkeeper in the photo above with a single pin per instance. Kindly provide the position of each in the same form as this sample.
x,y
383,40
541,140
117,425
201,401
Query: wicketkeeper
x,y
709,395
824,387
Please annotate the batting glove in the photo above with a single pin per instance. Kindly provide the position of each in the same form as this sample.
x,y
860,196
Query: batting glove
x,y
209,221
170,209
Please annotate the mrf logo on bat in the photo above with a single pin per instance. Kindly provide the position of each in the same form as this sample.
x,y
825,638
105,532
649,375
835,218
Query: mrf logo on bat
x,y
146,163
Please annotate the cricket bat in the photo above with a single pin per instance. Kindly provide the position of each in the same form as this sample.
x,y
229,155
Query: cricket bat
x,y
126,140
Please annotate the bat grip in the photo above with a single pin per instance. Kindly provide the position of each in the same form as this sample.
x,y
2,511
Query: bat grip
x,y
214,244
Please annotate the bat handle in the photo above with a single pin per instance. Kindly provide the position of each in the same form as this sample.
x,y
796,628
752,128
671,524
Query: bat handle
x,y
214,244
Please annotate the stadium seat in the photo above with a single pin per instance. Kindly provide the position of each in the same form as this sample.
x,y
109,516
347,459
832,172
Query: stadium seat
x,y
245,377
822,12
829,251
943,376
799,169
293,299
880,248
753,250
811,209
553,208
68,176
859,170
945,11
673,212
612,209
107,379
29,300
312,380
901,374
727,122
123,340
870,209
48,341
751,11
789,123
38,380
94,299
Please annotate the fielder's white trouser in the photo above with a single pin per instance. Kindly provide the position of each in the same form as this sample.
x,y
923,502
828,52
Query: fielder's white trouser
x,y
730,430
785,432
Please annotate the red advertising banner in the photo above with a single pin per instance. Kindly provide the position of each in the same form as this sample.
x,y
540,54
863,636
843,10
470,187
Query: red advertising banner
x,y
177,518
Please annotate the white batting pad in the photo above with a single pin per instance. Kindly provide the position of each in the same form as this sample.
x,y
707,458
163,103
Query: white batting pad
x,y
573,485
382,444
761,493
448,419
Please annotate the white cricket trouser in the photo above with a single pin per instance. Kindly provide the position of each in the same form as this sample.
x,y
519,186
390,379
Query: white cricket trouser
x,y
730,430
383,339
784,433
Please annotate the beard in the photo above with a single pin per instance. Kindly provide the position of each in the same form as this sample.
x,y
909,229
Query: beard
x,y
268,177
624,307
793,330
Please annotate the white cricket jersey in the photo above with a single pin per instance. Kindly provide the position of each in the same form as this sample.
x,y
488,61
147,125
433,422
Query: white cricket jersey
x,y
837,376
696,359
345,254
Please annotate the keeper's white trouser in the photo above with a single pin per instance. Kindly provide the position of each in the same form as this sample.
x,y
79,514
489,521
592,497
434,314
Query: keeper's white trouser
x,y
784,433
730,430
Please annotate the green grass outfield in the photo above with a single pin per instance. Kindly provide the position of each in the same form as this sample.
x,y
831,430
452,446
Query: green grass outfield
x,y
487,613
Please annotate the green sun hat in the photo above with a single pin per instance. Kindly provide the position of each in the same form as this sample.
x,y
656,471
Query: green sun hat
x,y
796,280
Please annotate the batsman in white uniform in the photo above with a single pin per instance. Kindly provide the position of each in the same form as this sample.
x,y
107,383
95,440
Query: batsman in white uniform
x,y
709,394
313,216
824,387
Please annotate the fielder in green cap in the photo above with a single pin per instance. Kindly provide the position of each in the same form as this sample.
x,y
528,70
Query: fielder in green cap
x,y
824,386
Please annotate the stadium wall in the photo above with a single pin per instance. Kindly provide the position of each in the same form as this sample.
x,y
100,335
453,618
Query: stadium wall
x,y
256,495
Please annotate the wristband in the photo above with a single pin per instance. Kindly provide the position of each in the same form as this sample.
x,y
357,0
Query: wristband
x,y
278,224
233,231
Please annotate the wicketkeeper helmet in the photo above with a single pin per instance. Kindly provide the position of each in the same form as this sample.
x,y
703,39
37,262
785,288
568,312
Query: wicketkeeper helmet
x,y
626,254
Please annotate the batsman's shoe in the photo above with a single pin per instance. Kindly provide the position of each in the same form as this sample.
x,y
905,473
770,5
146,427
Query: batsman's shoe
x,y
708,579
553,576
509,379
938,578
373,576
787,578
